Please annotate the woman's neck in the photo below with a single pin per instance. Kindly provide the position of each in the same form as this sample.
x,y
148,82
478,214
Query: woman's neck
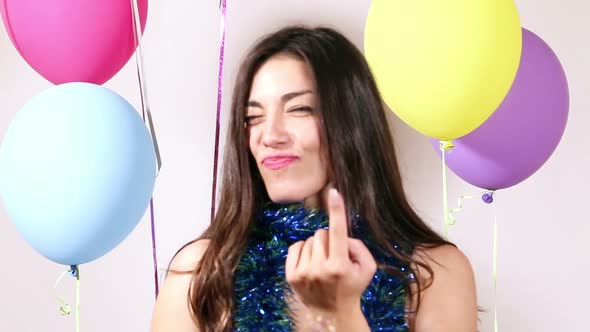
x,y
318,200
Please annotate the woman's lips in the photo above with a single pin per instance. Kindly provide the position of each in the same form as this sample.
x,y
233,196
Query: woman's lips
x,y
276,163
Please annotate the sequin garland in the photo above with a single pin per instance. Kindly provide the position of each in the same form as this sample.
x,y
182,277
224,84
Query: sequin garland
x,y
261,288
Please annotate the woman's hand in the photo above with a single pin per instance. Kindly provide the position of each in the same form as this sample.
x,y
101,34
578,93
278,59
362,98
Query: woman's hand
x,y
329,271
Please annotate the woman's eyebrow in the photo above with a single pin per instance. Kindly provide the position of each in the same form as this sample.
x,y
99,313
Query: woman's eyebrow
x,y
284,98
253,103
288,96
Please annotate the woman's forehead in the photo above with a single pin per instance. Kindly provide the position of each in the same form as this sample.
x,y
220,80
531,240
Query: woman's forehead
x,y
282,75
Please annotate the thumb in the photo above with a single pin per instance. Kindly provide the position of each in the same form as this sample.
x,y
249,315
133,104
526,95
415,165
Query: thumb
x,y
360,254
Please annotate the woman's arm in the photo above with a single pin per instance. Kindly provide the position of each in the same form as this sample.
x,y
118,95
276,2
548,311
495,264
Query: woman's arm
x,y
171,311
449,304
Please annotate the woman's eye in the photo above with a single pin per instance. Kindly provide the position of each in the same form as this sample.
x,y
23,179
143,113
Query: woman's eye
x,y
303,109
252,119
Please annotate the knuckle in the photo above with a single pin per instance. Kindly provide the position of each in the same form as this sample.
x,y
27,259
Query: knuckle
x,y
357,242
295,246
295,277
373,266
302,276
316,274
292,278
334,271
321,232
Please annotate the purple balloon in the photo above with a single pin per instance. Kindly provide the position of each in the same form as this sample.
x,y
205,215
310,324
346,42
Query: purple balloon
x,y
521,135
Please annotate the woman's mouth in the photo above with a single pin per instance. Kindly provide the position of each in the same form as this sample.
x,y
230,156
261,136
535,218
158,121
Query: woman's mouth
x,y
278,162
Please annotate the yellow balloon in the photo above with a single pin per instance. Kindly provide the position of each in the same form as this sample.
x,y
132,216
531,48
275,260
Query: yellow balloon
x,y
443,66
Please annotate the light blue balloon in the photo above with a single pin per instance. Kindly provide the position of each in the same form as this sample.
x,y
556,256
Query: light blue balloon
x,y
77,171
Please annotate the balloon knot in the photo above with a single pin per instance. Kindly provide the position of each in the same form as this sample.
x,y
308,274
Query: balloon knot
x,y
446,145
488,197
73,270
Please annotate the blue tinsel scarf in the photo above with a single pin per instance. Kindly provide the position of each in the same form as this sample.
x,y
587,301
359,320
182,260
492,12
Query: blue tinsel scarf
x,y
260,285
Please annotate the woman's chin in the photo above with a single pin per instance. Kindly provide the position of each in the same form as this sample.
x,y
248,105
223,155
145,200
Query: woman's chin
x,y
311,201
286,196
285,199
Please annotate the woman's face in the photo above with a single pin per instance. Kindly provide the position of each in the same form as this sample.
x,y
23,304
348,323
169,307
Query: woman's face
x,y
284,131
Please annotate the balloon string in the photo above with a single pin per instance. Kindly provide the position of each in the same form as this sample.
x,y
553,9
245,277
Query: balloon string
x,y
450,219
444,147
223,10
77,299
495,267
145,110
64,308
154,251
487,197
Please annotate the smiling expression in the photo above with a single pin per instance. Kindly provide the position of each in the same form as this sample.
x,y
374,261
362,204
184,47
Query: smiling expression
x,y
284,130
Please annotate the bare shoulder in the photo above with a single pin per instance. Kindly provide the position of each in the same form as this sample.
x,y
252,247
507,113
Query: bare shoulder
x,y
448,301
189,256
171,311
444,259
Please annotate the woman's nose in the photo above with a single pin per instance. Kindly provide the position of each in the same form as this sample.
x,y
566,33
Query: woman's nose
x,y
274,130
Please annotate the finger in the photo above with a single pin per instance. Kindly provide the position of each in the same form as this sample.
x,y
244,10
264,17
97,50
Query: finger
x,y
302,267
320,248
293,255
360,254
338,232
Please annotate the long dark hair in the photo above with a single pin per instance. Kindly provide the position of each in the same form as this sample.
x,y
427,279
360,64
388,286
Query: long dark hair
x,y
360,153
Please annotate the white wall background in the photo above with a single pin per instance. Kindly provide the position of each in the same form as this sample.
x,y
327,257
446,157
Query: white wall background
x,y
543,223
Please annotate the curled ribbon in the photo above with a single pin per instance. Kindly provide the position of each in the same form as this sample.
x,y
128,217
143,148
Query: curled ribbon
x,y
451,220
486,197
65,308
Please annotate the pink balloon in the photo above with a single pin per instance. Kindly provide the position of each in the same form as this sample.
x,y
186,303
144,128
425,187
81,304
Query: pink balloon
x,y
73,40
